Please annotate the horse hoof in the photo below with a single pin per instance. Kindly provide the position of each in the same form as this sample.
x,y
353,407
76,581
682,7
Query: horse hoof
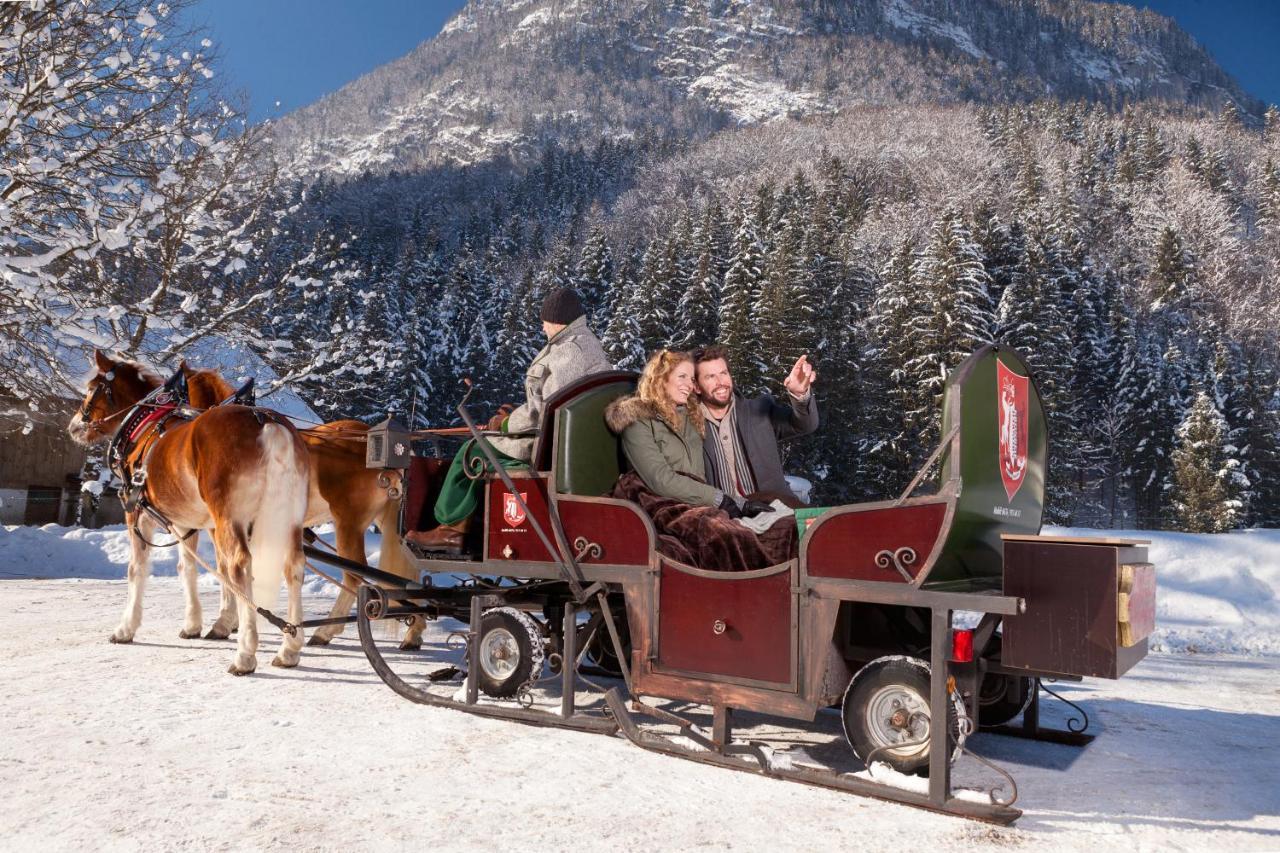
x,y
283,663
411,645
215,635
238,671
317,640
189,635
120,640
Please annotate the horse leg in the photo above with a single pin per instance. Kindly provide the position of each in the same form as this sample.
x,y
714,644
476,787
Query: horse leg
x,y
235,561
139,570
341,607
189,573
291,644
228,620
392,559
350,538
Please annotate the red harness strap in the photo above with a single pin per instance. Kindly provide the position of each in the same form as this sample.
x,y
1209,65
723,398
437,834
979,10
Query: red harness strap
x,y
157,414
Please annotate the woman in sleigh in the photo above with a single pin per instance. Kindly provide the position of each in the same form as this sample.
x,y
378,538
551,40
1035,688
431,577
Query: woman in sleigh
x,y
662,429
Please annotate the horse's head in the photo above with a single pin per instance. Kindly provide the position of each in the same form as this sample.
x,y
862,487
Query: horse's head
x,y
113,389
206,388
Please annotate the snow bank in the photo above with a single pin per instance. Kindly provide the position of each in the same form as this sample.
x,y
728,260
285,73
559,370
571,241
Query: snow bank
x,y
53,551
1217,593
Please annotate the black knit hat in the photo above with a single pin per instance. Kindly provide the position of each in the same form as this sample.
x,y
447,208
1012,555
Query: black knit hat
x,y
561,306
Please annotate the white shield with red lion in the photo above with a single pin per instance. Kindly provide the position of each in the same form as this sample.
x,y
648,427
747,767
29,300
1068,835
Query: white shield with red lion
x,y
512,512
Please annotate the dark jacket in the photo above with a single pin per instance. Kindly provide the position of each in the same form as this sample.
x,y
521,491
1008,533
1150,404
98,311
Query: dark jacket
x,y
762,423
661,454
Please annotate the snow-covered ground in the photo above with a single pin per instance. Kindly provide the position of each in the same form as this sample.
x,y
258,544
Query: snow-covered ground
x,y
152,745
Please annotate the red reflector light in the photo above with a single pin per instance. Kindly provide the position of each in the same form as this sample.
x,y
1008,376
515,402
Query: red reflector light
x,y
962,646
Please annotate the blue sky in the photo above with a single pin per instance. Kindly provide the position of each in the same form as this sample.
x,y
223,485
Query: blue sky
x,y
295,51
1243,35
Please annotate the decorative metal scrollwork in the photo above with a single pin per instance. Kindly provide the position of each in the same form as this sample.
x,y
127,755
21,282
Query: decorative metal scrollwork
x,y
584,547
1075,725
899,559
474,465
376,605
394,492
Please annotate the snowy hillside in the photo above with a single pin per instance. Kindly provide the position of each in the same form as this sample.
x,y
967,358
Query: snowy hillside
x,y
503,75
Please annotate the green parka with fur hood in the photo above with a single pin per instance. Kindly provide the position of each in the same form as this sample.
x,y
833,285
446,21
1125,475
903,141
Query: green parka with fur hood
x,y
663,454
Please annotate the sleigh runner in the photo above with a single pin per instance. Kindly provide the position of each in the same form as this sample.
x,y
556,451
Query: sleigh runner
x,y
863,620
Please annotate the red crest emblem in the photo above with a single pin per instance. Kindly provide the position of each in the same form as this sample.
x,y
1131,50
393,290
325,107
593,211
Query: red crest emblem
x,y
1011,410
512,514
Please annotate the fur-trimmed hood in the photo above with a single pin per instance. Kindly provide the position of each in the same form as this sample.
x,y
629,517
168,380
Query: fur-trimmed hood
x,y
625,411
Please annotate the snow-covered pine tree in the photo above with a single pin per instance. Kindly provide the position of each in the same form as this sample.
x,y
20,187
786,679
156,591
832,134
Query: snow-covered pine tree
x,y
1205,478
621,339
594,279
742,285
1003,247
957,316
680,264
1229,120
1152,406
785,310
893,441
1269,201
1175,296
1153,152
699,309
654,298
1226,386
1271,124
1259,438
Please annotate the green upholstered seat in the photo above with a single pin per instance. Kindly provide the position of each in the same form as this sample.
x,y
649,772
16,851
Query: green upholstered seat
x,y
588,456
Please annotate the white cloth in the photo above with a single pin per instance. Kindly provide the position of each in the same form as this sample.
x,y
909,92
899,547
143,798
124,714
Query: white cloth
x,y
765,520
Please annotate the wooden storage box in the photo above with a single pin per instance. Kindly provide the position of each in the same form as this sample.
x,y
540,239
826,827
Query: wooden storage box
x,y
1090,605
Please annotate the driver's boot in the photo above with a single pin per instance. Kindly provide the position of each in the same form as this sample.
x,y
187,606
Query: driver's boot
x,y
449,538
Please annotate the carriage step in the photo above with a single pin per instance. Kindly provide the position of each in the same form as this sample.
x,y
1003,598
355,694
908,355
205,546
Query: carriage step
x,y
453,556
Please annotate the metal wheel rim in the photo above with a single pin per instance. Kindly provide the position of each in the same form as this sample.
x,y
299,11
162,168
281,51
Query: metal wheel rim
x,y
887,701
499,654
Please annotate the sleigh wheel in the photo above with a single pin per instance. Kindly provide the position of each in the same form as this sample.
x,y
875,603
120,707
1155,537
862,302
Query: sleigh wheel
x,y
886,711
1002,697
511,652
601,649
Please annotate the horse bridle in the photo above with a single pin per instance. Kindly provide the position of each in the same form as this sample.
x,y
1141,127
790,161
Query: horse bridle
x,y
103,384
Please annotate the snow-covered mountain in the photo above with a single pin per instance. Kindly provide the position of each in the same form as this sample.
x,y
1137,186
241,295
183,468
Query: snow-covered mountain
x,y
504,74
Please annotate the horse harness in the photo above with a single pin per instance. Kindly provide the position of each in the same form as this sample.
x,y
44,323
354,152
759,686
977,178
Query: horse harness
x,y
135,440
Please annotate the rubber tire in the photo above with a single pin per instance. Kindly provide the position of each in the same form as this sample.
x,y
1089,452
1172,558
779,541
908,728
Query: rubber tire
x,y
530,651
600,649
995,704
996,710
909,673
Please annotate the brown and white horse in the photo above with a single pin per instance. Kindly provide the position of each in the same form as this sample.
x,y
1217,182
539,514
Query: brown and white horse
x,y
230,470
342,491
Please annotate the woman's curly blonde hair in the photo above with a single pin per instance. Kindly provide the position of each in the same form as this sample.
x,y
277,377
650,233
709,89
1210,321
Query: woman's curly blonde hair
x,y
653,390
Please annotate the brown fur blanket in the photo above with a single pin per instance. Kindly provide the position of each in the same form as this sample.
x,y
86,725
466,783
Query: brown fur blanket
x,y
704,536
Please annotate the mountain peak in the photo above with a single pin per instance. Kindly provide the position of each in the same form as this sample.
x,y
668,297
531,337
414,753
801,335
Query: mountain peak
x,y
504,74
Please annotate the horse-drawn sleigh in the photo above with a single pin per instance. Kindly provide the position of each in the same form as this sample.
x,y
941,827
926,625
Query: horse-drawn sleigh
x,y
862,623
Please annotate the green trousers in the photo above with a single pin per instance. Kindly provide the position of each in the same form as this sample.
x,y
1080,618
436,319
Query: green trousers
x,y
460,495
